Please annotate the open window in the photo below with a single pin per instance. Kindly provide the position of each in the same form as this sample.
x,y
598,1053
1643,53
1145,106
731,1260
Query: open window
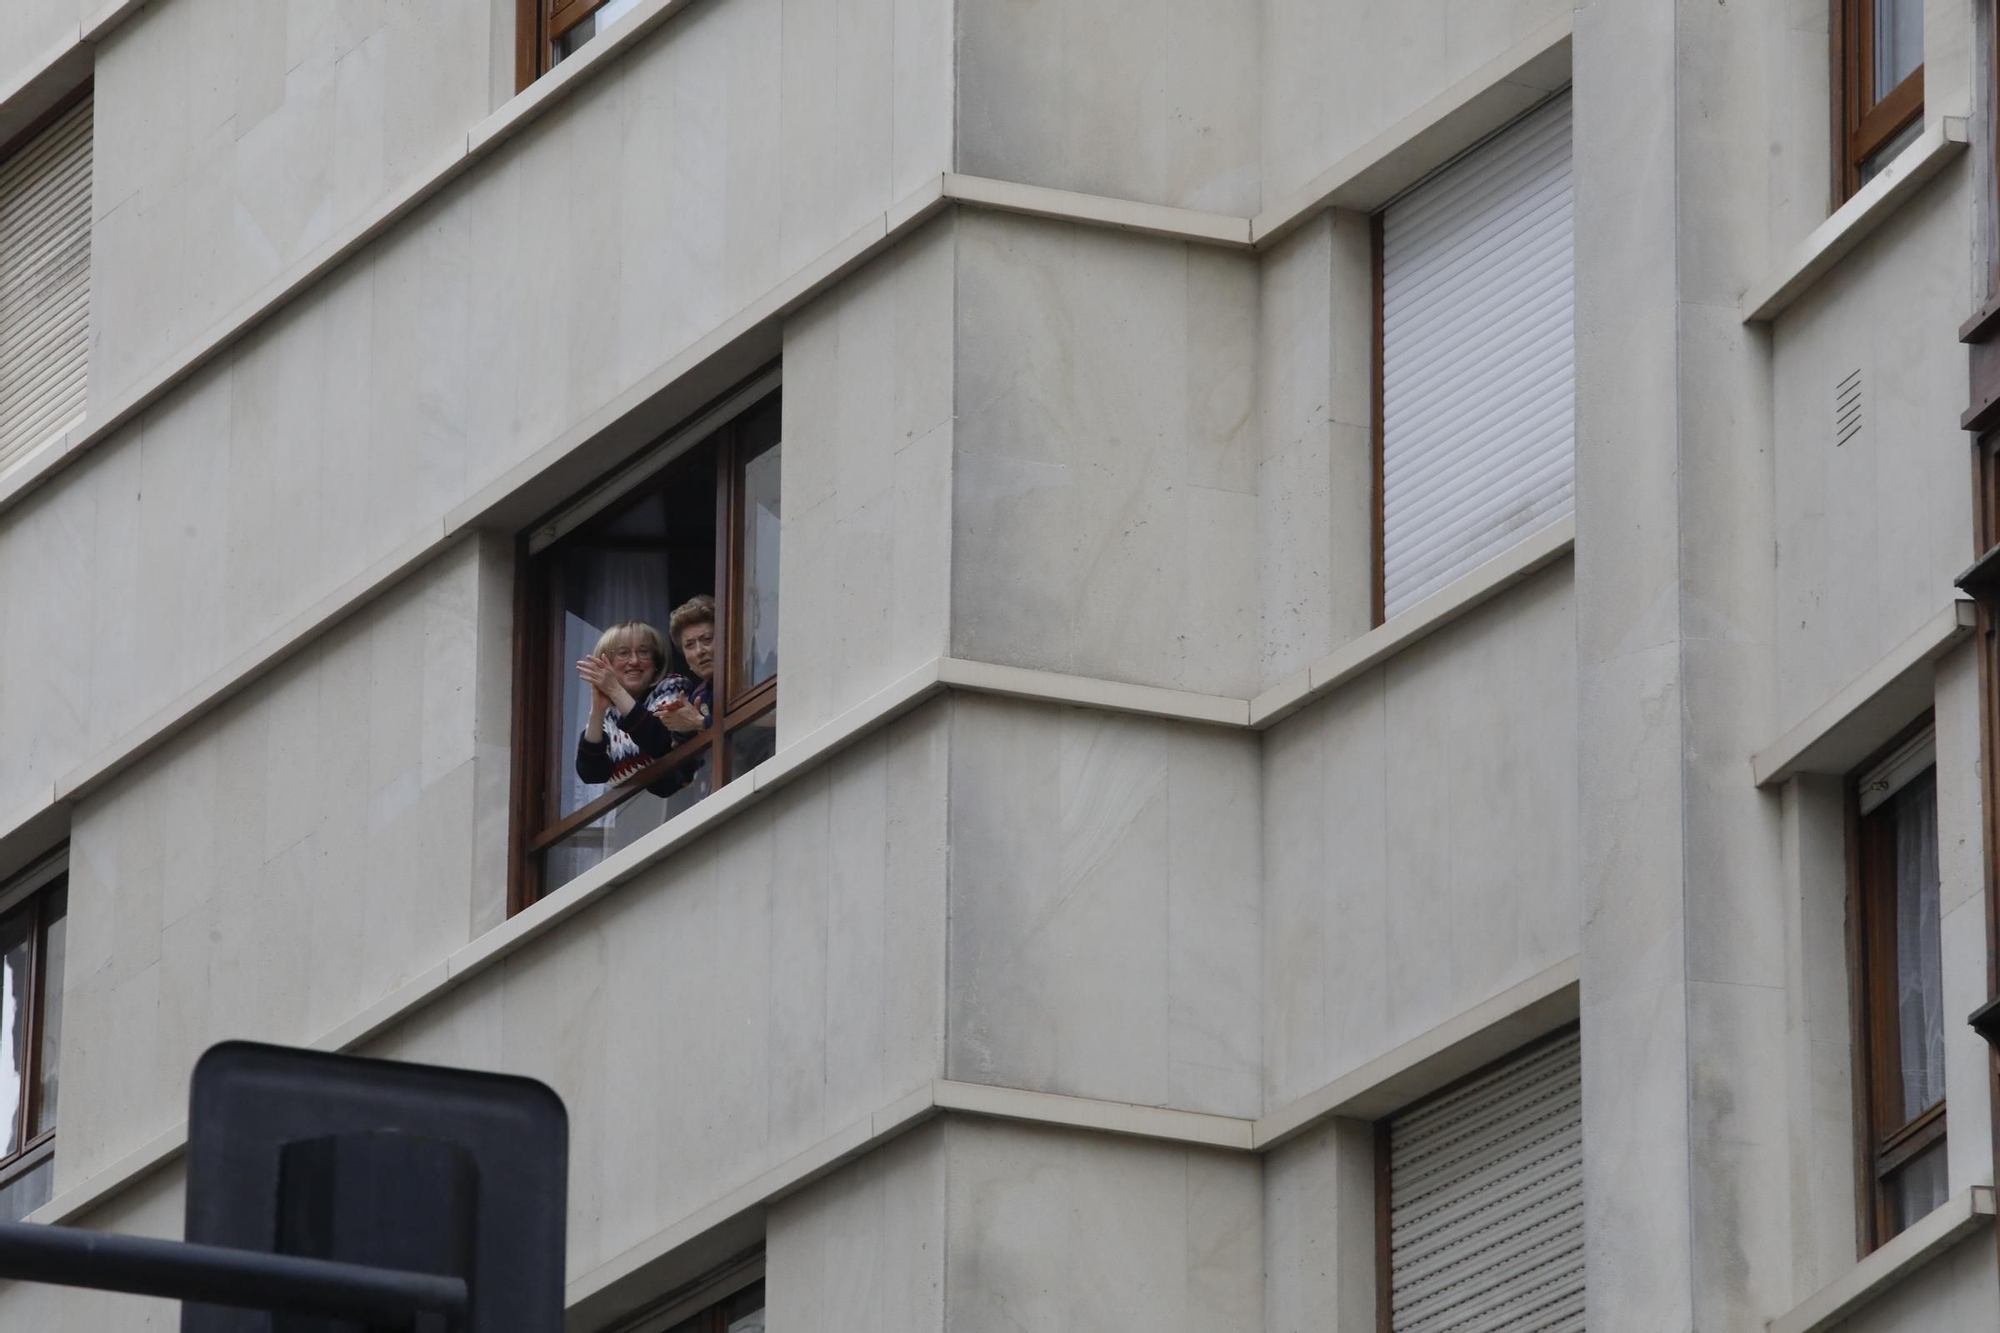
x,y
33,911
694,517
1899,990
551,31
1878,53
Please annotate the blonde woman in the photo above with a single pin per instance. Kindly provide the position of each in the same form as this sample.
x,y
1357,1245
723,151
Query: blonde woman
x,y
631,695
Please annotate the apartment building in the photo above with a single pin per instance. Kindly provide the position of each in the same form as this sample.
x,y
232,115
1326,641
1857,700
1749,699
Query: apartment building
x,y
1351,678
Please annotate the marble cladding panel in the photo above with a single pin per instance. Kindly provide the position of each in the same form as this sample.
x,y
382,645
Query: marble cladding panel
x,y
154,1207
1334,75
866,556
735,1005
1315,460
37,30
235,136
283,863
420,371
1320,1230
1419,838
1871,528
1052,1228
1738,1131
1954,1291
1105,906
1153,100
1104,515
1819,1050
864,1248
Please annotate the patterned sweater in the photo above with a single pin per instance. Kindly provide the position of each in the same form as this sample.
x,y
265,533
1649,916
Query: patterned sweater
x,y
630,743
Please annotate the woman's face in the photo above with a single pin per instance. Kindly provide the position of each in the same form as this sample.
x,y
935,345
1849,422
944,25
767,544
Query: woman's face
x,y
632,658
698,646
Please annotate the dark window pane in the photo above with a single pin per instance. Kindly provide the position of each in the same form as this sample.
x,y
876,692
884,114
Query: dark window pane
x,y
585,29
752,743
14,944
28,1191
1872,165
744,1312
635,564
1899,42
55,929
1919,973
1917,1187
757,641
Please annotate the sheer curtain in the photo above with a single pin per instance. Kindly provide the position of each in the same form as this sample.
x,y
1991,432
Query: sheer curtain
x,y
1919,972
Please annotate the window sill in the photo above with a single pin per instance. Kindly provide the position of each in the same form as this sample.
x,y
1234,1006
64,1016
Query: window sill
x,y
1852,222
1891,1265
1867,711
1405,628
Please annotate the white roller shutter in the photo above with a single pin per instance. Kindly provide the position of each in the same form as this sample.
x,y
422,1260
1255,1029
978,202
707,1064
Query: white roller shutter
x,y
44,282
1478,359
1486,1202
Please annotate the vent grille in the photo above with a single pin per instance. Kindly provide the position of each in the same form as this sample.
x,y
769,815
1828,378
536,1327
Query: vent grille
x,y
1847,408
1486,1202
44,283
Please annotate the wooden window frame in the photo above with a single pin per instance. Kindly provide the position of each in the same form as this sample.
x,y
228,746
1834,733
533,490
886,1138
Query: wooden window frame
x,y
536,825
1863,118
1378,536
1884,1140
538,25
1385,1311
32,893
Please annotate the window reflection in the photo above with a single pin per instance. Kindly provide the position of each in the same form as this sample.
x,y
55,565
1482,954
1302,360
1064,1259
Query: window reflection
x,y
14,938
1871,166
757,659
1899,42
601,18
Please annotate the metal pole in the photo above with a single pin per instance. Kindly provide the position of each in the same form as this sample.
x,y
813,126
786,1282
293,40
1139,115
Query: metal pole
x,y
215,1275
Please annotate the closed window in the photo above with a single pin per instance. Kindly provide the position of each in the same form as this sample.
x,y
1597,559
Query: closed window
x,y
1475,431
44,280
550,31
33,909
1900,1037
1482,1203
648,651
1879,77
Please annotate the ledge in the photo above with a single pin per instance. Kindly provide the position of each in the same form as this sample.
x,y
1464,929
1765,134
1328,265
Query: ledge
x,y
1041,201
1400,631
1894,1263
1852,222
50,76
1091,692
1863,714
1482,1034
1522,76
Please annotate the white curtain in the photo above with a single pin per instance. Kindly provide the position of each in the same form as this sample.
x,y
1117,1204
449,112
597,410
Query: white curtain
x,y
1919,971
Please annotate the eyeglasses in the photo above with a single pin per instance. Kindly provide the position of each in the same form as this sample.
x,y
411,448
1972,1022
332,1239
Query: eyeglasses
x,y
642,652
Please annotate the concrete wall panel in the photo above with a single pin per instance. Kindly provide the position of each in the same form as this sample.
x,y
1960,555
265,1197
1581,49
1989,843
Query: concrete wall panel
x,y
864,1248
1105,516
1420,839
734,1005
1051,1228
866,557
1871,531
1104,924
287,861
1335,75
1154,100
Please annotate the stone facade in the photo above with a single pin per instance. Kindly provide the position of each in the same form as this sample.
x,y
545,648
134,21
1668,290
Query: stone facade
x,y
1115,872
